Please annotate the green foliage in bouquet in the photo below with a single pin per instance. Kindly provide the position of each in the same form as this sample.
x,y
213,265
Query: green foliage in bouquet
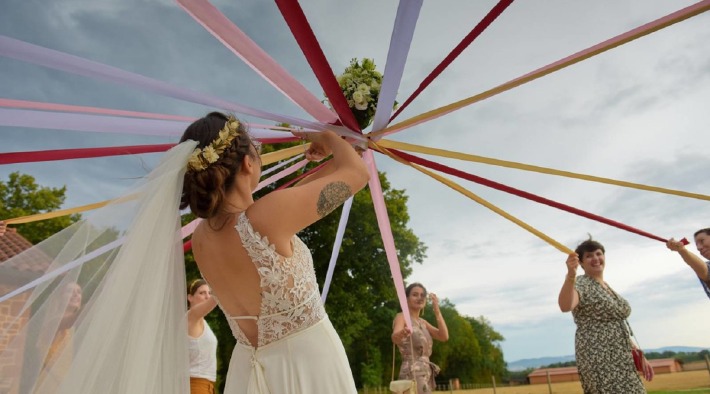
x,y
361,83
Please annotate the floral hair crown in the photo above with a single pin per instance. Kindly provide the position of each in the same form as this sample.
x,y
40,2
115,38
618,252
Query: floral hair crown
x,y
201,158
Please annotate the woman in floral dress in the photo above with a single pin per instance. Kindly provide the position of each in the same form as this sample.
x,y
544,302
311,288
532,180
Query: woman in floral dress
x,y
417,365
602,342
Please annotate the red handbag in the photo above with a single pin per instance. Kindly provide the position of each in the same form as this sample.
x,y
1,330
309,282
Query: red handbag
x,y
638,359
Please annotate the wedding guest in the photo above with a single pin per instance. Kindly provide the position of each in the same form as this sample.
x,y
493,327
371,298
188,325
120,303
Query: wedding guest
x,y
202,343
602,342
416,346
701,268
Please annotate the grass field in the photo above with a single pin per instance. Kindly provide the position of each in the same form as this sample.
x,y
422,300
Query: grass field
x,y
691,382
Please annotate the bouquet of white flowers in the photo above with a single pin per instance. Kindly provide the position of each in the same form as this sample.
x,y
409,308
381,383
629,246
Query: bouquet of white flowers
x,y
361,86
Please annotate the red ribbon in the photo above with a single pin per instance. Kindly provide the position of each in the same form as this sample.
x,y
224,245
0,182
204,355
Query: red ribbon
x,y
477,30
66,154
306,39
520,193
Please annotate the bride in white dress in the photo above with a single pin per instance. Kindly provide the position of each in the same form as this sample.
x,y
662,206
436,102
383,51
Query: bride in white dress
x,y
130,335
261,273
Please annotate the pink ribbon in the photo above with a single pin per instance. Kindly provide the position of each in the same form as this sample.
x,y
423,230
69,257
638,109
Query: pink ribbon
x,y
241,45
383,221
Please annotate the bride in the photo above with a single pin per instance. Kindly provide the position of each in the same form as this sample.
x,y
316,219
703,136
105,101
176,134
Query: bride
x,y
130,335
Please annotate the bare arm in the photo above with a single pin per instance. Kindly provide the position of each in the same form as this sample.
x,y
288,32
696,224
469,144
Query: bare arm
x,y
569,297
199,311
690,258
399,329
282,213
440,332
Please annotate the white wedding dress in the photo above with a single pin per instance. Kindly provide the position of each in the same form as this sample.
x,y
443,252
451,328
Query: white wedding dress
x,y
130,333
298,351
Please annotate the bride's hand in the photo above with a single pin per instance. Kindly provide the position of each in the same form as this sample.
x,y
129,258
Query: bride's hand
x,y
319,148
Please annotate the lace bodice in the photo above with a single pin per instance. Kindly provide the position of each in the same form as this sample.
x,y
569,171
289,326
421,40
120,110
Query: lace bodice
x,y
290,298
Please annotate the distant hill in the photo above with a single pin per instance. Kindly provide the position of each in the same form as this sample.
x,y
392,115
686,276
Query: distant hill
x,y
526,363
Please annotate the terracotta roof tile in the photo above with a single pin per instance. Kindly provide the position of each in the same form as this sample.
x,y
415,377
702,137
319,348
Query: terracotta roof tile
x,y
13,244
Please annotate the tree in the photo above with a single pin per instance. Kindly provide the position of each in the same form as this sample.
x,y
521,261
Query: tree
x,y
361,302
21,196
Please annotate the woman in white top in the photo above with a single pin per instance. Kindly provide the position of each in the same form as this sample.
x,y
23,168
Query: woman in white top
x,y
202,341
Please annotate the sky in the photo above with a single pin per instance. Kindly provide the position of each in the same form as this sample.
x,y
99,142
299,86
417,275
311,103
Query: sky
x,y
636,113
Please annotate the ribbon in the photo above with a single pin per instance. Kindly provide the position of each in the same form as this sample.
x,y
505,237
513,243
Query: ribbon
x,y
90,110
336,247
245,48
528,167
631,35
266,159
484,202
280,165
523,194
67,154
56,214
35,54
306,39
65,268
383,222
282,174
477,30
402,33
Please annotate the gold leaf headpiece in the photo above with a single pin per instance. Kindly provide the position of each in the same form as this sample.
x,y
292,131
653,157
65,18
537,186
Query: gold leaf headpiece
x,y
201,158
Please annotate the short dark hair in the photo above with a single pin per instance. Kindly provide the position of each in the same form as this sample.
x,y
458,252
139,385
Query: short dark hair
x,y
702,231
588,246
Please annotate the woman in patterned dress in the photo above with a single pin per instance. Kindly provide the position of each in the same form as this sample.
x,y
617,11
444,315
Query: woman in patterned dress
x,y
419,339
602,342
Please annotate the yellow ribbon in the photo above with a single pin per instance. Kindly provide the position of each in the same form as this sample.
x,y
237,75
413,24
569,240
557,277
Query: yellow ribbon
x,y
266,159
644,30
55,214
273,157
528,167
481,201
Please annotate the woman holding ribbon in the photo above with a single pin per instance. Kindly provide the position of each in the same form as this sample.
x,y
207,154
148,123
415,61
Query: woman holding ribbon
x,y
415,346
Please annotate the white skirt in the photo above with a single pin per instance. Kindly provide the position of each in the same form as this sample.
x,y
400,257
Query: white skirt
x,y
312,361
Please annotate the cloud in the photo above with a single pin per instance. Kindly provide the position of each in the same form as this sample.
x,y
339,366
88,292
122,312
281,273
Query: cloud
x,y
635,113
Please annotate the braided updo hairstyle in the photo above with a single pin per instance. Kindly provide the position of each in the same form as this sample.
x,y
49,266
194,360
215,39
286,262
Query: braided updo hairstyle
x,y
204,191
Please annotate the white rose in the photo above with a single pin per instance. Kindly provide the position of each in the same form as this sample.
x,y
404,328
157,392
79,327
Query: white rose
x,y
363,88
361,106
358,97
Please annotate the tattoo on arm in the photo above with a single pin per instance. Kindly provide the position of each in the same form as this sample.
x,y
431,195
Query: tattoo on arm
x,y
331,197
